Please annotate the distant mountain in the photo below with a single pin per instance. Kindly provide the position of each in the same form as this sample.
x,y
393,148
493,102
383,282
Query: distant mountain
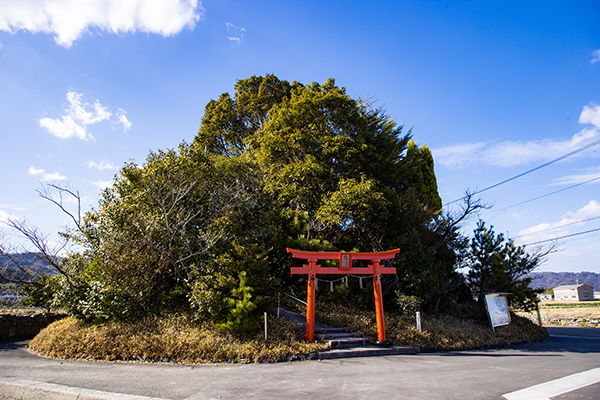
x,y
34,263
553,279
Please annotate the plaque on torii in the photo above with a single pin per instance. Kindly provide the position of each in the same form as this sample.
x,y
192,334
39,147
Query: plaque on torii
x,y
345,267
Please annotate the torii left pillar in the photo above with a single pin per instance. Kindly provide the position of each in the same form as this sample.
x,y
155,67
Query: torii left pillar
x,y
345,267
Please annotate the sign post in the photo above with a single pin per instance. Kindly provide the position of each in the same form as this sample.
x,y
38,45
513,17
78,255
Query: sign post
x,y
345,267
497,307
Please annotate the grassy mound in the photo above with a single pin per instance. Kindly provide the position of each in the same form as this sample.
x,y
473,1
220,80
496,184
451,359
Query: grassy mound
x,y
438,332
170,338
175,338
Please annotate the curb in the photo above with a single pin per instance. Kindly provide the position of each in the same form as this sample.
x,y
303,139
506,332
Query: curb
x,y
22,389
367,352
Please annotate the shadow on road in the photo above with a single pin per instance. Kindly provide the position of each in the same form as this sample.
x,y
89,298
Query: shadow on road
x,y
13,344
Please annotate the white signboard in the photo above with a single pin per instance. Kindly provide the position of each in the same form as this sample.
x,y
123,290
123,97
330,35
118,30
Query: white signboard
x,y
497,307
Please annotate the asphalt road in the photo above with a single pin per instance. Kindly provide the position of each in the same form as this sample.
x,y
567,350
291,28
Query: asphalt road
x,y
478,374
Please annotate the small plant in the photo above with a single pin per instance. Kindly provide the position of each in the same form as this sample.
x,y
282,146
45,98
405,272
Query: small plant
x,y
240,316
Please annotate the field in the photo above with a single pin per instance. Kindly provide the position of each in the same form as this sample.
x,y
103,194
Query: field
x,y
584,314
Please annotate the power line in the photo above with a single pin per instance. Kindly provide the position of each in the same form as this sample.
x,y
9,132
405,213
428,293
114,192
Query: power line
x,y
587,146
550,194
563,237
545,195
556,227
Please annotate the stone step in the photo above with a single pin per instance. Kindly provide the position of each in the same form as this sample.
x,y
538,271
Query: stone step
x,y
332,330
333,336
347,342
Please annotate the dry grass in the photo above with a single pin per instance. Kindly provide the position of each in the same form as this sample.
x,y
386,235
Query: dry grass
x,y
438,332
21,310
576,314
171,338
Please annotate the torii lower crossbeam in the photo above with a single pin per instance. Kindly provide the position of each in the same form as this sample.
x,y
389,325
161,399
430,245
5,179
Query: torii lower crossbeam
x,y
345,267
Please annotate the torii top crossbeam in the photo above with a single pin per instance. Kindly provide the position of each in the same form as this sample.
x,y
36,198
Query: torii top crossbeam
x,y
345,262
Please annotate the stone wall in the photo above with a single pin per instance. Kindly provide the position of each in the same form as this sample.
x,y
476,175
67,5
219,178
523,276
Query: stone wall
x,y
23,326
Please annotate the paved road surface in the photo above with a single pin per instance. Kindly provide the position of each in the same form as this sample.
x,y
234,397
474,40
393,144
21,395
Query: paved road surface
x,y
480,374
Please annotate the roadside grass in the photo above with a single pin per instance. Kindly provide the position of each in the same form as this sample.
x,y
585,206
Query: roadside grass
x,y
170,338
462,329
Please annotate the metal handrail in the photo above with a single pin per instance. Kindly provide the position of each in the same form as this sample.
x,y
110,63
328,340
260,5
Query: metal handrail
x,y
294,298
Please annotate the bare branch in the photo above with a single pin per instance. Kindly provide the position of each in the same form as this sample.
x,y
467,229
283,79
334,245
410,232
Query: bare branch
x,y
469,206
44,193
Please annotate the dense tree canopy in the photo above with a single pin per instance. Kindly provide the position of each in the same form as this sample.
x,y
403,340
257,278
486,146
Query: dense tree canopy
x,y
341,175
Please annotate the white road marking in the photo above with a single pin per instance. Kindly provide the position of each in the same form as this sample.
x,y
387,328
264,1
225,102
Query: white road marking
x,y
545,391
23,388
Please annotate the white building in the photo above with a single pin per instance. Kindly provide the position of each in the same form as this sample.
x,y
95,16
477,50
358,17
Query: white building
x,y
574,293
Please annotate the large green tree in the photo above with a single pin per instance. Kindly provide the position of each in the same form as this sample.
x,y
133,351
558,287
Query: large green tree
x,y
342,175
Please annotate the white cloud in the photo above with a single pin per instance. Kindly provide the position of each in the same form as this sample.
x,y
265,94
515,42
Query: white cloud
x,y
68,20
78,116
64,128
590,115
46,177
122,119
563,227
102,165
34,171
238,39
590,210
595,56
512,153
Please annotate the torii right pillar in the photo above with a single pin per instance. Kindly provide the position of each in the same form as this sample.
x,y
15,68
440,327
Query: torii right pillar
x,y
378,301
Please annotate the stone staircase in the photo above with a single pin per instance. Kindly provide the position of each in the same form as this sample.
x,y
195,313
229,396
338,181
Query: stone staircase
x,y
340,338
343,343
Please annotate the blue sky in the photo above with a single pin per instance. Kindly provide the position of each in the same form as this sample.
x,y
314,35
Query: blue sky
x,y
493,88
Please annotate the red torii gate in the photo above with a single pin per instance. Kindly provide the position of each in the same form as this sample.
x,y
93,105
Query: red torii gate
x,y
345,267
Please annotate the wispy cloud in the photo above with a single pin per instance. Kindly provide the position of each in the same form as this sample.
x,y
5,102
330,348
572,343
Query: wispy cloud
x,y
511,153
595,56
5,216
68,20
100,184
237,38
102,165
45,176
78,116
585,176
122,119
567,225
